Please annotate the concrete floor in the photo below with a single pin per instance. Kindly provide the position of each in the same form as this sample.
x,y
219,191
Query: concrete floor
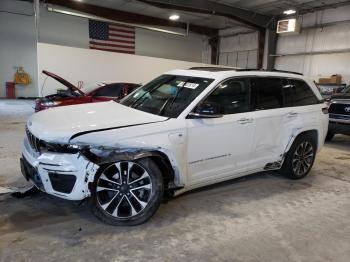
x,y
263,217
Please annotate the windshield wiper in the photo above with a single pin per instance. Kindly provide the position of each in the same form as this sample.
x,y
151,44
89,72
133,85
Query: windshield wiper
x,y
161,112
150,91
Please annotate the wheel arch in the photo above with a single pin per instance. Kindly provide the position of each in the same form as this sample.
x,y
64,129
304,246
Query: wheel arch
x,y
314,133
105,157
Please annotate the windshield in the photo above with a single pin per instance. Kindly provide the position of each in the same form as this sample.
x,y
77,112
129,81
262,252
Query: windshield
x,y
167,95
347,90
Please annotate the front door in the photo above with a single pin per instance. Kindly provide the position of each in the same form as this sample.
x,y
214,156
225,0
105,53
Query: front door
x,y
220,147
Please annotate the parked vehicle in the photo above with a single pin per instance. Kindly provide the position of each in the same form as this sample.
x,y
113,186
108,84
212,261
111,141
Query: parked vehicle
x,y
183,130
339,114
72,95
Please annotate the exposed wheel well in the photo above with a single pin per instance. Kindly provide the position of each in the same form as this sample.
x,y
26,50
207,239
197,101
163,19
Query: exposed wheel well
x,y
162,161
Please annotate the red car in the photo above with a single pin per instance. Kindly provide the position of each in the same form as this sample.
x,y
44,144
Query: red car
x,y
73,95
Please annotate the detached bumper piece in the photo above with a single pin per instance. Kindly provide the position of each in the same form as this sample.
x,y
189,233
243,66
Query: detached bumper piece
x,y
30,173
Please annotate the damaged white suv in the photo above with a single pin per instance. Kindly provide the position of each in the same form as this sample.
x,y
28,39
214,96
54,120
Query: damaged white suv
x,y
183,130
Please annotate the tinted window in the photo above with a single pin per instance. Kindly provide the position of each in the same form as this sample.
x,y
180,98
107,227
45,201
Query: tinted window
x,y
302,93
266,92
113,90
287,92
232,96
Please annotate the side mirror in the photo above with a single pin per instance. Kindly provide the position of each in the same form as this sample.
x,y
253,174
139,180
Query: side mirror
x,y
206,110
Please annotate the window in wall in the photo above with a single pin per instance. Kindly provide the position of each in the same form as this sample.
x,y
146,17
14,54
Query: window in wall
x,y
232,96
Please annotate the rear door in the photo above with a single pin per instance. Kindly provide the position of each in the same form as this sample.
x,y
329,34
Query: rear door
x,y
283,108
272,120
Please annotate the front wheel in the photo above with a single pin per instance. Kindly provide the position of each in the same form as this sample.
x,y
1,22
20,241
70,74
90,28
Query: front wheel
x,y
127,193
300,158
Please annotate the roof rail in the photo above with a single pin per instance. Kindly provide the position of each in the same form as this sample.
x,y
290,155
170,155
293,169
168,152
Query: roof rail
x,y
289,72
218,69
213,68
273,70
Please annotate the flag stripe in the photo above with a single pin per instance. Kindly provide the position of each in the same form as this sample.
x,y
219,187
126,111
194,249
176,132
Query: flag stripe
x,y
121,33
122,27
108,44
121,40
114,40
113,29
113,50
123,36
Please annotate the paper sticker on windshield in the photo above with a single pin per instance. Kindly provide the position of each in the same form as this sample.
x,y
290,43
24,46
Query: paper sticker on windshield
x,y
191,85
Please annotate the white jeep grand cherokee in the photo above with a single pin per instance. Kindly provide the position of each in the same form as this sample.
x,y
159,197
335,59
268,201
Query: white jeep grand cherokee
x,y
183,130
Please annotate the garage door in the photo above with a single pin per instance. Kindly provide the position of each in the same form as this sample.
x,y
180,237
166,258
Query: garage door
x,y
239,50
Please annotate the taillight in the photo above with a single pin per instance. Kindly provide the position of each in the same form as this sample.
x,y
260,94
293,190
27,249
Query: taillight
x,y
325,110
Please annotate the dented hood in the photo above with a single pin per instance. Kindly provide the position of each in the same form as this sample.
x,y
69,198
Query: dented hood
x,y
61,123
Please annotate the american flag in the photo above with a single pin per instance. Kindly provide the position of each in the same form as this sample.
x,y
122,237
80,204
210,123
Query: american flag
x,y
111,37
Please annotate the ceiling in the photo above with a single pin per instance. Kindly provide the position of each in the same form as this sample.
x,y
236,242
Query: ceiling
x,y
266,7
134,6
276,7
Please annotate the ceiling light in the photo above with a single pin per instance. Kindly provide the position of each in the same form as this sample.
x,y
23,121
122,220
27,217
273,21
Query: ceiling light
x,y
174,17
289,12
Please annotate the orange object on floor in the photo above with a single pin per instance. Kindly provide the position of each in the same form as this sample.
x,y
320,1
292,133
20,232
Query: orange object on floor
x,y
10,90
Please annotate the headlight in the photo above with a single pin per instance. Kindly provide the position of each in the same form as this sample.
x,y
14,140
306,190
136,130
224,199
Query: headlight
x,y
53,103
62,148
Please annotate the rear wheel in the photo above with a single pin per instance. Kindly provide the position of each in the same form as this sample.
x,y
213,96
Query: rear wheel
x,y
300,158
127,193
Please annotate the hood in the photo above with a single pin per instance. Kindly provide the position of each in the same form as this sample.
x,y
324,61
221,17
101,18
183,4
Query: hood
x,y
341,96
64,82
61,123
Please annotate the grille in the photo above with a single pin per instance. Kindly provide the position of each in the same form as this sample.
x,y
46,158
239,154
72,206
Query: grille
x,y
34,142
340,109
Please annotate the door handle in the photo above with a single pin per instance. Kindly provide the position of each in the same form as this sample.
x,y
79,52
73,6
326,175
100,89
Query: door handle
x,y
244,121
292,114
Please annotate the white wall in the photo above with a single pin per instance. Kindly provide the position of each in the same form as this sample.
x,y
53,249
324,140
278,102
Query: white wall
x,y
17,45
89,66
61,29
327,38
74,31
155,44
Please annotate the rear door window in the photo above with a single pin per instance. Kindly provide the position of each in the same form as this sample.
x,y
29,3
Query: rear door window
x,y
266,93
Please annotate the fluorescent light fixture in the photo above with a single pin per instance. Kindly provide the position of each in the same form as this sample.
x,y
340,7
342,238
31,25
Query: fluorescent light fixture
x,y
174,17
289,12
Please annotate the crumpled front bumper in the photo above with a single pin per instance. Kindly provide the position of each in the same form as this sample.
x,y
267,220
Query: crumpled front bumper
x,y
59,174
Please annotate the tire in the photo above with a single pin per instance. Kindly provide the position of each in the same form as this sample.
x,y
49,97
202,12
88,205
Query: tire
x,y
300,157
131,198
329,136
